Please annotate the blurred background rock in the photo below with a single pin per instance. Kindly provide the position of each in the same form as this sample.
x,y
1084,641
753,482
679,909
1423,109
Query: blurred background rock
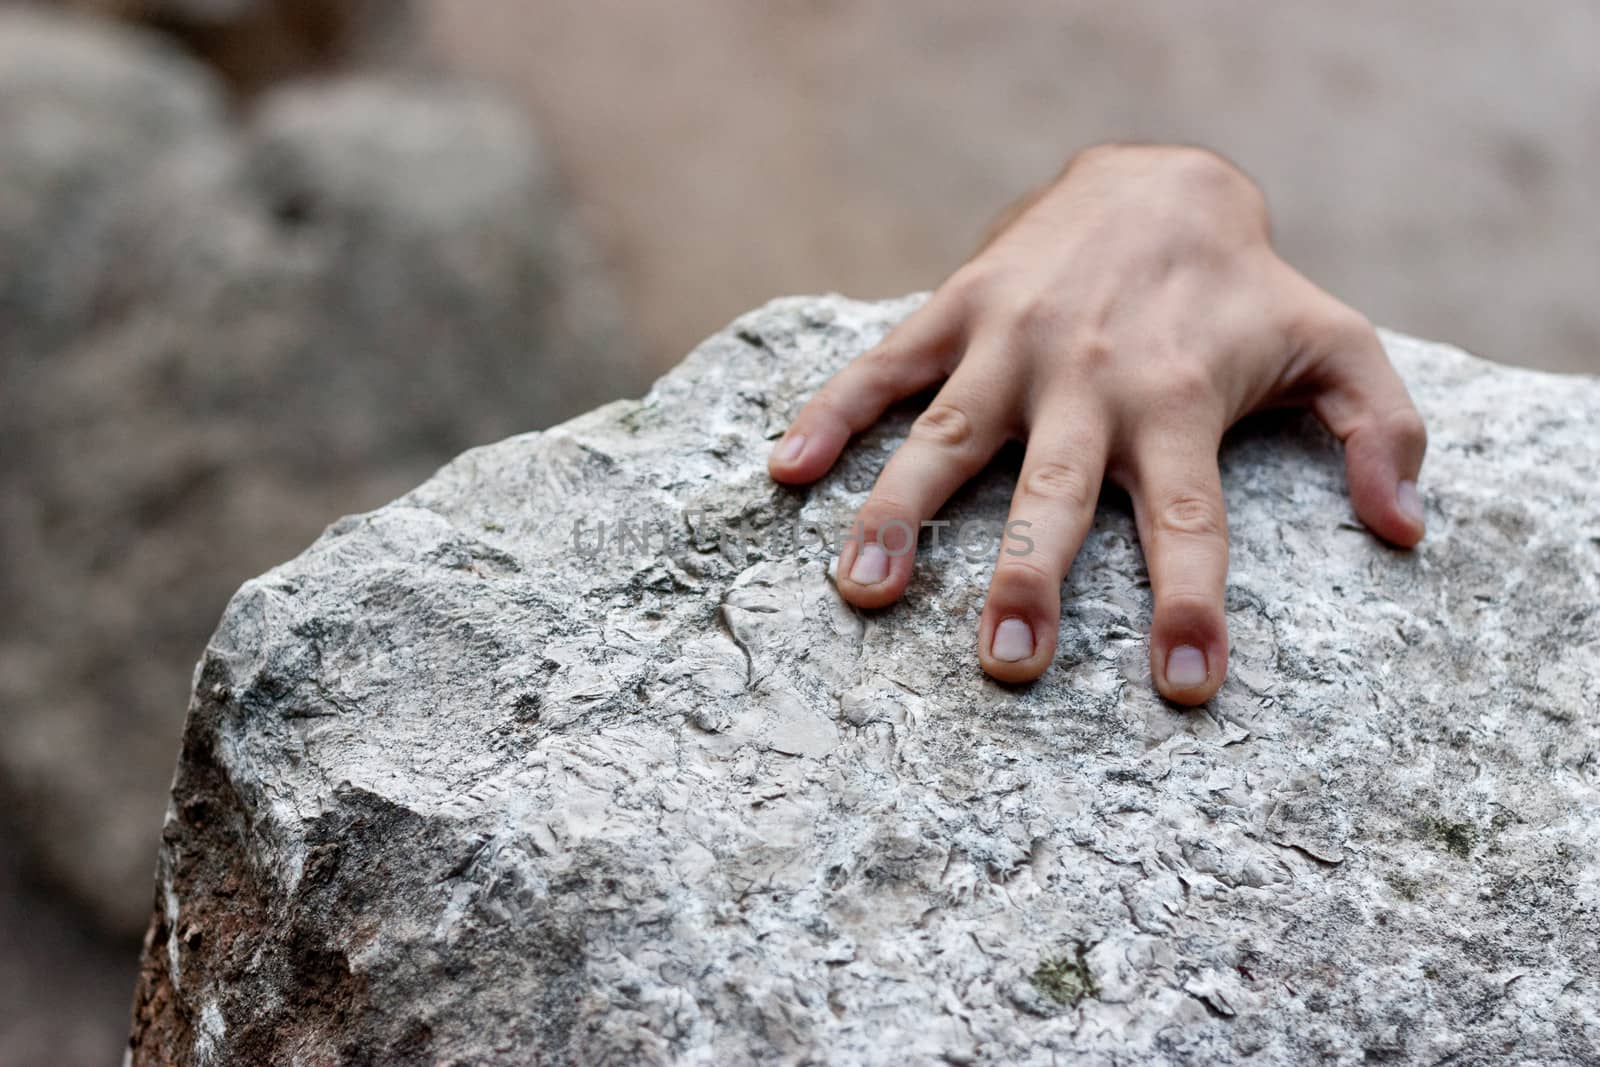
x,y
224,321
266,262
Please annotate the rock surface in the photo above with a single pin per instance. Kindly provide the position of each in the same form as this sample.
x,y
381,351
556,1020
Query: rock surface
x,y
457,787
213,340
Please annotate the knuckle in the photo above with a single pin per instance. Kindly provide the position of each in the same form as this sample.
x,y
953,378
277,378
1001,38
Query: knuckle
x,y
1214,172
1352,324
1206,172
1407,425
1199,163
1092,353
1021,575
969,283
1059,483
1188,606
1036,318
842,385
1191,515
1342,328
897,535
1353,330
880,367
822,408
943,424
1185,384
884,506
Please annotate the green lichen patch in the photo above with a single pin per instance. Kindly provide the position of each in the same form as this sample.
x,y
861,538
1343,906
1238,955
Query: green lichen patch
x,y
1065,979
1405,888
1459,838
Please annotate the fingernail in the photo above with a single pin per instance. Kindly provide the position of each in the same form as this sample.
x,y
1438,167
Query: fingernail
x,y
1013,640
1410,504
871,565
1186,666
790,447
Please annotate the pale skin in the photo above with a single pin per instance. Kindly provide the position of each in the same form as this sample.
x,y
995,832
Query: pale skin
x,y
1118,322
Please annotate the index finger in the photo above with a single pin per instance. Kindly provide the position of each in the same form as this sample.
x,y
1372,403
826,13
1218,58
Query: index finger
x,y
916,354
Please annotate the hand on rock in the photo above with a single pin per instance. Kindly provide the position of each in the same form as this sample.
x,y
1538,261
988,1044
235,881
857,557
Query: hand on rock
x,y
1126,317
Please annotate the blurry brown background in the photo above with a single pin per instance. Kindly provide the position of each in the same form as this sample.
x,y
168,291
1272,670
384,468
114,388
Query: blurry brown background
x,y
387,231
1432,163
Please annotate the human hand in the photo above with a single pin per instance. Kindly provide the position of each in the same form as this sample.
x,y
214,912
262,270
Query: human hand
x,y
1130,314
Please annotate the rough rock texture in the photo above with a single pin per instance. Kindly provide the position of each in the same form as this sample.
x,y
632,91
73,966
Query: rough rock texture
x,y
452,791
213,340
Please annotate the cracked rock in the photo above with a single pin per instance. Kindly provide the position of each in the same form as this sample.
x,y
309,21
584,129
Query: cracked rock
x,y
459,786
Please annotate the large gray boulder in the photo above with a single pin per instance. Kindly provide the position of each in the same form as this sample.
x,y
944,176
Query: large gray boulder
x,y
468,782
215,339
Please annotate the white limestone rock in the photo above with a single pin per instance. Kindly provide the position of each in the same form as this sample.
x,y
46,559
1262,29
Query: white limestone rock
x,y
453,792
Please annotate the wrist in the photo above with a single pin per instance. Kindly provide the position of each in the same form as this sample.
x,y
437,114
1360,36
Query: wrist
x,y
1160,174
